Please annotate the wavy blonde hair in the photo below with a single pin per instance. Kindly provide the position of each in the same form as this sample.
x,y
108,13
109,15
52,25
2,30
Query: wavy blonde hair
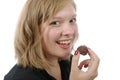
x,y
28,37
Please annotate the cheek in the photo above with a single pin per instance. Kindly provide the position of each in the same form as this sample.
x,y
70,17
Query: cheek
x,y
50,35
46,37
76,29
54,33
49,38
76,32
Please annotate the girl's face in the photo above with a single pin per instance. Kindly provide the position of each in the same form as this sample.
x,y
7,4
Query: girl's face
x,y
60,33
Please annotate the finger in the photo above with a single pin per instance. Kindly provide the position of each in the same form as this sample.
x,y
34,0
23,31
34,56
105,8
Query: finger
x,y
85,66
92,54
84,63
75,60
94,61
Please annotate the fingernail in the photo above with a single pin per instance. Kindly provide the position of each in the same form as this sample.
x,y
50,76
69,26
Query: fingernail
x,y
86,65
76,52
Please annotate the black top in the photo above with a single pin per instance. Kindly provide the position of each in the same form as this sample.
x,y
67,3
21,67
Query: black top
x,y
20,73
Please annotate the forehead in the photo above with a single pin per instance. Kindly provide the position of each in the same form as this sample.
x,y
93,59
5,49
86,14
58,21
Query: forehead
x,y
66,12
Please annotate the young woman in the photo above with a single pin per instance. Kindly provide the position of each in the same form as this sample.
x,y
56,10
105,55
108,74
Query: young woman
x,y
44,39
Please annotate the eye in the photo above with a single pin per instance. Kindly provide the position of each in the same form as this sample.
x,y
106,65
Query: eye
x,y
73,20
55,23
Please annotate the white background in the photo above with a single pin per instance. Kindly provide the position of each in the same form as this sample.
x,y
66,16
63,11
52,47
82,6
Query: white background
x,y
98,21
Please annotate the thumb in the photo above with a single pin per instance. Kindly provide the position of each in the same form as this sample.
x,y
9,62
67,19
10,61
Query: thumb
x,y
75,60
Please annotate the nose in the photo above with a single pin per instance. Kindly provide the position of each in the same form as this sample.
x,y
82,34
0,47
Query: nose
x,y
68,30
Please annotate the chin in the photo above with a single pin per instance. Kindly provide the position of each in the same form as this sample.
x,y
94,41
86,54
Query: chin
x,y
65,56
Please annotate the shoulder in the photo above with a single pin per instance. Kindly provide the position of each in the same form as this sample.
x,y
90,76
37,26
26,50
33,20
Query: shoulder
x,y
20,73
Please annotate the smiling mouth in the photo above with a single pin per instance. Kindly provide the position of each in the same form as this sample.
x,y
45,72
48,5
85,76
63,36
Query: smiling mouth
x,y
64,43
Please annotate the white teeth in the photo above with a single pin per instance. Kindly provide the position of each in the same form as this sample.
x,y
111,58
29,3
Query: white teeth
x,y
64,42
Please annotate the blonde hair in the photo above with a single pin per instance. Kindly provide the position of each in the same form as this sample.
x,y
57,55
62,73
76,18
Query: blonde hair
x,y
28,37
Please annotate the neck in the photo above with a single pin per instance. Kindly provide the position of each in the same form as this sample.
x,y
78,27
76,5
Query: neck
x,y
54,70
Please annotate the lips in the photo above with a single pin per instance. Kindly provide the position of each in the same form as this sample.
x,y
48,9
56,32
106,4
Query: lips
x,y
64,43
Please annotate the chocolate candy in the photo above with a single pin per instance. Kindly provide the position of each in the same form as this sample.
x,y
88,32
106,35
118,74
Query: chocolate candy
x,y
83,50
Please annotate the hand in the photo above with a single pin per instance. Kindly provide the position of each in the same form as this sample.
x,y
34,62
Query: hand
x,y
92,65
